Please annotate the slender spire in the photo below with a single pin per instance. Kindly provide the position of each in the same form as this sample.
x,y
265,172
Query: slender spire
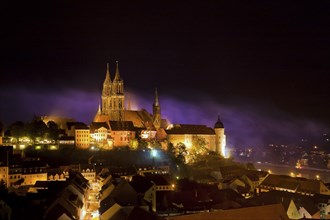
x,y
117,76
107,75
99,110
156,102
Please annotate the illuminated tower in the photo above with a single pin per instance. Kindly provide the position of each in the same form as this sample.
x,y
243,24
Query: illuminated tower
x,y
220,138
156,118
106,93
117,97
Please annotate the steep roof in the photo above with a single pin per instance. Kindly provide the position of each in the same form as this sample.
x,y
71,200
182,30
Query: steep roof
x,y
58,211
122,126
96,125
227,172
287,182
101,118
140,183
139,118
190,129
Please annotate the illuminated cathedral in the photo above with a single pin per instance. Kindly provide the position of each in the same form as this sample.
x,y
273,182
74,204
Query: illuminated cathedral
x,y
113,112
112,107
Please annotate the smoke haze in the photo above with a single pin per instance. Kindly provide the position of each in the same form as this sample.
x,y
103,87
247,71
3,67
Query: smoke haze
x,y
245,124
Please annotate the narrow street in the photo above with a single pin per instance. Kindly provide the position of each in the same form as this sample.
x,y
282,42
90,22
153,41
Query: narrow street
x,y
91,207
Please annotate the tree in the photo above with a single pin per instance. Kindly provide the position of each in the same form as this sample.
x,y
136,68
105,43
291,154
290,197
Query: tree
x,y
37,129
142,145
134,144
17,130
198,149
181,152
53,130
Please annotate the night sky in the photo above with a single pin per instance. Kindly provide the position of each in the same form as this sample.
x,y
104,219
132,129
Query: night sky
x,y
262,65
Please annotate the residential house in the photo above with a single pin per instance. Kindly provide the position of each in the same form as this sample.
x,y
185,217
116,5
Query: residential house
x,y
122,133
33,171
100,134
70,201
138,192
80,132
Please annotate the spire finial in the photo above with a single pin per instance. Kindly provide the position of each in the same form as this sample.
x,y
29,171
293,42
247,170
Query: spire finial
x,y
107,75
99,110
117,76
218,123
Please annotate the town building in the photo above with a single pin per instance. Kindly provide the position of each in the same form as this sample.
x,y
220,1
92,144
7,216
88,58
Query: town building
x,y
100,133
81,133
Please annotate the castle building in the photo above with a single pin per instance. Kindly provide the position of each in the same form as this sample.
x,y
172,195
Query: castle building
x,y
188,134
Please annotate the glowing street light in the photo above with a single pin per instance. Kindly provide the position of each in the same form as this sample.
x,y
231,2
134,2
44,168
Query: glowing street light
x,y
154,153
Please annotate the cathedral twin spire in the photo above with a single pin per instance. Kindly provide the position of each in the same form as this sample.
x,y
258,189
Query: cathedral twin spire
x,y
117,76
113,95
113,99
107,76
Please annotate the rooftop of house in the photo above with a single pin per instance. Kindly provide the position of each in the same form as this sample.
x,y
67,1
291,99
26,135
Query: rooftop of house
x,y
292,183
122,126
190,129
97,125
269,212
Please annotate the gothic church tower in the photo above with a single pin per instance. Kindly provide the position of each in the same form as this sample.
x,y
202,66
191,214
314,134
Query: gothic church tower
x,y
117,97
156,118
113,96
106,93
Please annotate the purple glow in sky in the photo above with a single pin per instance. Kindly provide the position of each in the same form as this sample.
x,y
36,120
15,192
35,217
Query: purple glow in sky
x,y
245,125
